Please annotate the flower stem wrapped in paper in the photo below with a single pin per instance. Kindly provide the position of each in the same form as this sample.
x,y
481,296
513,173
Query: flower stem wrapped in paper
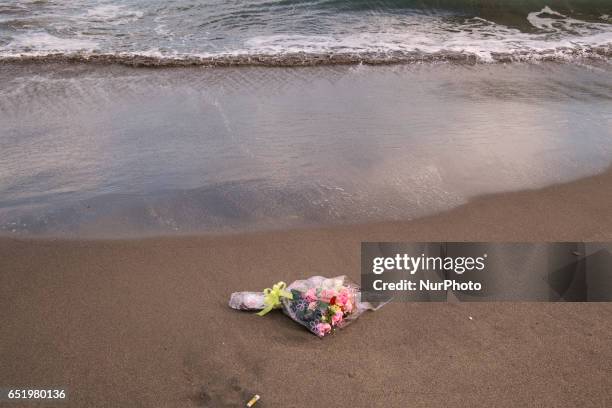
x,y
320,304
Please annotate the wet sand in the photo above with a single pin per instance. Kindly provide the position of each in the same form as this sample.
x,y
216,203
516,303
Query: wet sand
x,y
126,152
145,322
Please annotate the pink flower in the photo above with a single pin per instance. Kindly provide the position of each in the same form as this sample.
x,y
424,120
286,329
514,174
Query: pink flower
x,y
327,294
348,307
312,305
342,298
311,295
337,318
323,329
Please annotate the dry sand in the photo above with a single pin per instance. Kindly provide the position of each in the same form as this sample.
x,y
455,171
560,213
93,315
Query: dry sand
x,y
145,323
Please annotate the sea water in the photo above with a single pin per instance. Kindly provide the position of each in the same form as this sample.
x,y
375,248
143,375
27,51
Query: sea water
x,y
146,117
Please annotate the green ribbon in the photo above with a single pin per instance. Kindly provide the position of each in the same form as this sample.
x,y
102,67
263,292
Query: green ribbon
x,y
272,297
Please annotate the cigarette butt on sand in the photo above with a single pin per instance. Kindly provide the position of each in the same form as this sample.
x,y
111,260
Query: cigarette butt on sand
x,y
253,401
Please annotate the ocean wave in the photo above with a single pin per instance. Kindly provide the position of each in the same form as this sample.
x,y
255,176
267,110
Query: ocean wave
x,y
505,7
302,59
40,43
553,21
309,32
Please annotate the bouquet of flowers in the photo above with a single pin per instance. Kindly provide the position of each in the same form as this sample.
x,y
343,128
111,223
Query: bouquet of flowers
x,y
320,304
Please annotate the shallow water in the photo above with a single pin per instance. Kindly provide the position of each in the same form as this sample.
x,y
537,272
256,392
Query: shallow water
x,y
114,151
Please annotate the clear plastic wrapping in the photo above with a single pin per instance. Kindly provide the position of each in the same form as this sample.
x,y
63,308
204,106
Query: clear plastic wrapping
x,y
320,304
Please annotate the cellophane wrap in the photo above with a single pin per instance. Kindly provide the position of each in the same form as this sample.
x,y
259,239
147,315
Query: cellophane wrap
x,y
247,301
320,304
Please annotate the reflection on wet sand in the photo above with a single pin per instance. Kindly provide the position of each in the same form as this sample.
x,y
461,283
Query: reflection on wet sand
x,y
202,150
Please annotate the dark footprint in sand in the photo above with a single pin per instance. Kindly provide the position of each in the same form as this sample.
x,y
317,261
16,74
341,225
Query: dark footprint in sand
x,y
216,393
211,386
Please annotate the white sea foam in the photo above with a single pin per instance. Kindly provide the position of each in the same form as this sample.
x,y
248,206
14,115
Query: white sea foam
x,y
41,42
475,36
550,20
397,37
